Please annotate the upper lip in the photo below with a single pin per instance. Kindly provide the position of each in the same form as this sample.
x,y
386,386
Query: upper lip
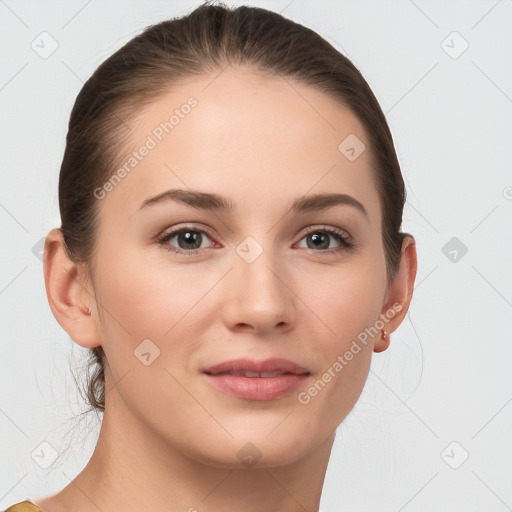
x,y
275,364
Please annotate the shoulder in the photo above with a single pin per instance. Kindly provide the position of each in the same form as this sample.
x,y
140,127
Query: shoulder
x,y
24,506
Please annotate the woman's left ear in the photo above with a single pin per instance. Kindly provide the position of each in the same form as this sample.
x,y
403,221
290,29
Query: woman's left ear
x,y
399,294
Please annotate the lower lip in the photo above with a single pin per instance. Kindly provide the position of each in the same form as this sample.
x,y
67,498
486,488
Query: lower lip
x,y
257,388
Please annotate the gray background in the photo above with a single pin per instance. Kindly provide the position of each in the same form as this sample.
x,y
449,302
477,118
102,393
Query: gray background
x,y
441,392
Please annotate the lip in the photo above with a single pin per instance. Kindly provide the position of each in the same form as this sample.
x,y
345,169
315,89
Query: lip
x,y
223,377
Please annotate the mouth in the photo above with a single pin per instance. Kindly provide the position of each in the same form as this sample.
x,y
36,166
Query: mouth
x,y
251,375
257,380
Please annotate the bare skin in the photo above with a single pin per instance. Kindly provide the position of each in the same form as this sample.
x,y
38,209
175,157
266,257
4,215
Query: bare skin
x,y
169,440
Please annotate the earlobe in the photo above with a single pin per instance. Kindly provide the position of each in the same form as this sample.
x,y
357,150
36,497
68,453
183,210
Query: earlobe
x,y
383,343
399,294
68,297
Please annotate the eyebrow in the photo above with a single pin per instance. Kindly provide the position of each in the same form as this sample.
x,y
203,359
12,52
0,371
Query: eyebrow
x,y
215,202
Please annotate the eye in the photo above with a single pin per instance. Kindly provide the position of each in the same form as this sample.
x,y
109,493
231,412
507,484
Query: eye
x,y
188,239
318,238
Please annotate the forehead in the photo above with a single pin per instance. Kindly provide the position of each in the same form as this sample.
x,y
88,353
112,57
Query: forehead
x,y
257,139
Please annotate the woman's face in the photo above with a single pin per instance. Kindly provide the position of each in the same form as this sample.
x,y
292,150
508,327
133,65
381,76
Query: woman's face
x,y
258,281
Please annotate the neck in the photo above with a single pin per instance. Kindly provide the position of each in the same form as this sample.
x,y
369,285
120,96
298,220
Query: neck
x,y
134,469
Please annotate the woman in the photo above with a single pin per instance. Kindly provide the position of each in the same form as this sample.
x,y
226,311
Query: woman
x,y
231,253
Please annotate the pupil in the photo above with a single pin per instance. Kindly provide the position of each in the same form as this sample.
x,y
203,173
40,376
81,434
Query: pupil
x,y
317,237
188,237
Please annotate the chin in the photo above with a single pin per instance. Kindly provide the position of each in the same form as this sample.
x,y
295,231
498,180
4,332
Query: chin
x,y
257,447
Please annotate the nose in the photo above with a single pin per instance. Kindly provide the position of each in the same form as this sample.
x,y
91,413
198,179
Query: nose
x,y
258,296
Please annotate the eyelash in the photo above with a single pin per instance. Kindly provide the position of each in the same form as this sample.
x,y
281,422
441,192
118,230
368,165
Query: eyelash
x,y
346,242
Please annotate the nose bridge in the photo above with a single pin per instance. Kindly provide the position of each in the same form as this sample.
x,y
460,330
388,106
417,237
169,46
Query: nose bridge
x,y
258,266
259,295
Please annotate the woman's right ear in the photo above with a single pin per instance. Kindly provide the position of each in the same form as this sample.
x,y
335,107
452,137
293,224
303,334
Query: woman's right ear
x,y
69,295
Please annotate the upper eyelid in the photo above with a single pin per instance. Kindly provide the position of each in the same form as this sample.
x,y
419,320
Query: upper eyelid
x,y
174,231
342,232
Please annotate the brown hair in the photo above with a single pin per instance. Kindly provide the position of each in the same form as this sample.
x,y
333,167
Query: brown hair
x,y
206,40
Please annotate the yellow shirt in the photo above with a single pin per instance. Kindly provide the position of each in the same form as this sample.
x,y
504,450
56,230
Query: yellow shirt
x,y
24,506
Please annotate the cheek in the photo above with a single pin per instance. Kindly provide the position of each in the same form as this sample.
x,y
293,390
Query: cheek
x,y
346,300
146,299
345,362
143,297
348,305
132,310
142,315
